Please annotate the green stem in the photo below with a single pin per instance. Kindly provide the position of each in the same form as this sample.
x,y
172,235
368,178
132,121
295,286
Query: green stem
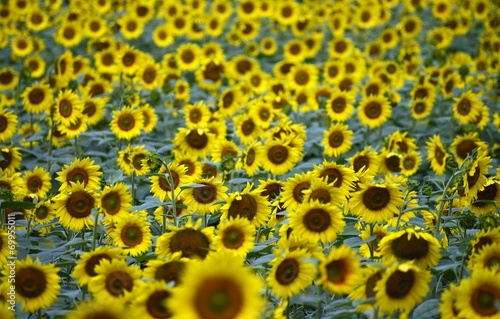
x,y
51,133
401,211
94,230
132,188
319,308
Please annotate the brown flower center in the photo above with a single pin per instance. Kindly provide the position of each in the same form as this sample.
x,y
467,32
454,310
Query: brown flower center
x,y
170,271
190,242
337,271
317,220
196,140
413,248
31,282
376,198
118,281
94,261
245,207
131,235
399,284
79,204
336,139
205,194
277,154
219,298
156,304
233,238
287,271
373,110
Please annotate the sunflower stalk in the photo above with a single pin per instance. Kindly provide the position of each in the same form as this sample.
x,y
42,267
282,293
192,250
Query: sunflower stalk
x,y
94,230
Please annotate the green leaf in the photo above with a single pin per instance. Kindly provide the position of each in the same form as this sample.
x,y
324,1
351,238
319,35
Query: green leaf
x,y
16,204
427,310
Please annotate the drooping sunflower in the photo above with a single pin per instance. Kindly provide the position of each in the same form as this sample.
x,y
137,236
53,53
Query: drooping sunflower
x,y
317,221
168,270
74,206
447,307
195,142
374,111
85,268
192,241
376,202
340,270
478,295
37,98
208,290
127,122
8,125
36,284
475,179
290,273
280,155
337,140
205,199
38,181
401,287
161,185
409,245
235,234
249,204
132,233
113,279
486,198
80,171
436,154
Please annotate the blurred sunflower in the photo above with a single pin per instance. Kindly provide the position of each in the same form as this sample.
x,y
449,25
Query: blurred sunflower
x,y
447,307
21,45
303,76
74,206
235,234
9,79
151,300
401,287
486,198
8,125
168,270
99,308
292,194
195,142
5,250
374,111
333,71
205,197
68,108
365,160
485,238
246,128
340,270
95,27
475,179
68,34
132,233
127,123
35,65
188,57
251,159
376,202
38,182
192,241
410,162
337,140
249,204
340,105
80,171
85,267
130,26
478,295
11,161
280,155
210,291
436,154
44,212
113,279
463,145
340,176
317,221
372,248
409,245
196,115
466,107
37,98
291,273
37,20
370,275
148,75
268,46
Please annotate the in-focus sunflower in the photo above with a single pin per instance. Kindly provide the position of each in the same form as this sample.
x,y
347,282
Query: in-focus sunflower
x,y
291,273
292,195
74,206
479,295
475,179
127,123
38,182
85,268
210,291
366,160
132,233
466,107
249,204
340,105
374,111
401,287
192,241
318,222
337,140
195,142
80,171
37,98
235,234
376,202
280,156
409,245
114,279
68,108
340,270
173,178
168,270
463,145
205,199
340,176
115,201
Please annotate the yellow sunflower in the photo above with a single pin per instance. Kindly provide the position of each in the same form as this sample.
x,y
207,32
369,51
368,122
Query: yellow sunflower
x,y
409,245
167,179
192,241
340,105
447,307
235,234
132,233
9,79
36,284
487,198
168,270
205,196
151,300
340,176
8,125
37,98
467,107
436,154
485,238
366,160
99,308
130,26
113,279
115,201
74,206
35,65
85,268
317,221
475,179
291,273
372,248
196,115
195,142
280,155
127,122
68,34
478,295
337,140
401,287
11,161
208,290
252,158
374,111
249,204
38,181
486,258
339,271
80,171
303,76
5,249
376,202
463,145
188,56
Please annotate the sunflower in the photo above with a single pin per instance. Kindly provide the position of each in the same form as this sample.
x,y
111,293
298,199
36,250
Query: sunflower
x,y
148,75
401,287
280,155
44,212
115,201
317,221
466,107
21,45
35,66
333,72
130,26
476,179
235,234
95,27
99,308
210,291
113,279
303,76
37,285
340,105
246,128
85,268
80,171
410,162
161,183
151,300
370,275
292,194
37,98
68,34
168,270
487,198
291,273
376,202
74,206
9,79
188,56
8,125
139,160
337,140
339,271
374,111
268,46
365,160
410,245
463,145
195,142
127,123
10,161
192,241
372,248
132,233
339,176
251,159
94,109
196,115
68,108
249,204
193,168
436,154
447,307
485,238
38,20
478,295
38,181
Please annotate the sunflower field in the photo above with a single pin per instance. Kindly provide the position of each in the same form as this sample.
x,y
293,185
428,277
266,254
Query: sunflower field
x,y
249,159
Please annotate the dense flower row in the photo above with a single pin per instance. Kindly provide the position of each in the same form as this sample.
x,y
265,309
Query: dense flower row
x,y
250,159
